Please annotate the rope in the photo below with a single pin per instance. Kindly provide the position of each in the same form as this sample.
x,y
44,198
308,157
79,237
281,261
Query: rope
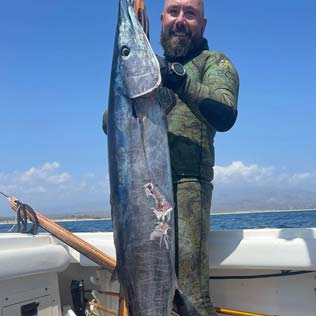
x,y
21,217
22,210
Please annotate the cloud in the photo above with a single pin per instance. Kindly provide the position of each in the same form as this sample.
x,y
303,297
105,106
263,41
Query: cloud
x,y
52,190
237,170
237,186
46,174
241,187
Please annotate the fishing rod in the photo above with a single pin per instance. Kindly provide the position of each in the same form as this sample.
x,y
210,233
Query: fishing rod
x,y
7,196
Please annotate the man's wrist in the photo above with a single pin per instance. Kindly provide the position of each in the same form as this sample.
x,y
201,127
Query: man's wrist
x,y
177,69
176,75
172,74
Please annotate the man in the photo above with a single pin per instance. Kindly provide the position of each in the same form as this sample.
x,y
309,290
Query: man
x,y
200,97
206,101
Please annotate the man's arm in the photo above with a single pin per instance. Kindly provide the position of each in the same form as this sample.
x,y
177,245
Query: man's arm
x,y
214,100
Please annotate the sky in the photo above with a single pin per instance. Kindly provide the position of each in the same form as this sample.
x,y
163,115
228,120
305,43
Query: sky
x,y
55,62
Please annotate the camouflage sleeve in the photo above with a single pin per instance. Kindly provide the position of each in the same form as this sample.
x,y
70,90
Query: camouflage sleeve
x,y
214,100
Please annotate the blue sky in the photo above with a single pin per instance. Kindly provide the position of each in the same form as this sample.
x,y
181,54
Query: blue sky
x,y
55,62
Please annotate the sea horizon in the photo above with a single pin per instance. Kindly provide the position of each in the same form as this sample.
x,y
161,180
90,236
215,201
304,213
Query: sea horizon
x,y
82,217
261,211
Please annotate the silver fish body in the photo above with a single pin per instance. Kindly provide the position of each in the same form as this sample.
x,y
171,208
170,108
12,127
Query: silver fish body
x,y
140,173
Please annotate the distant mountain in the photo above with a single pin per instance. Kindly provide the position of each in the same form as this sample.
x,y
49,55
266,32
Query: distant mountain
x,y
226,198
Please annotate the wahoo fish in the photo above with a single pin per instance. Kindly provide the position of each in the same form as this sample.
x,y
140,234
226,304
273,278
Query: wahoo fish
x,y
140,173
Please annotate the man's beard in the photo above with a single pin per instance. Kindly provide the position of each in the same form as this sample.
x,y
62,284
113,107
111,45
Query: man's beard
x,y
176,46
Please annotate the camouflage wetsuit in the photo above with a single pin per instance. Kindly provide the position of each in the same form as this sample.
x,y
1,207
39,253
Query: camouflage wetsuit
x,y
205,103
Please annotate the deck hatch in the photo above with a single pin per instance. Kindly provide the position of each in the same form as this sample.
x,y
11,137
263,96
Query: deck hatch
x,y
29,309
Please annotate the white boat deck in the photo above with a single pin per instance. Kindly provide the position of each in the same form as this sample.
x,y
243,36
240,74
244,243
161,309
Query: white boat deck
x,y
26,260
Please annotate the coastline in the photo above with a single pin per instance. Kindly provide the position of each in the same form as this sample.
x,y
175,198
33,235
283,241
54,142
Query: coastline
x,y
76,219
260,211
59,220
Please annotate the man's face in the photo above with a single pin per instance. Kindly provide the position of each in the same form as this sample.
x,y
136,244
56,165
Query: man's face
x,y
183,24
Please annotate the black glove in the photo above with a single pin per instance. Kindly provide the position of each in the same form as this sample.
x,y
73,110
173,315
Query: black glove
x,y
173,75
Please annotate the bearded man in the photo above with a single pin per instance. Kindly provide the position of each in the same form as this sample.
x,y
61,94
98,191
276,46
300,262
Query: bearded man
x,y
205,85
199,95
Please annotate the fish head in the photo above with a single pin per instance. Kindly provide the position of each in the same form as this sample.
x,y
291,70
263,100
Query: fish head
x,y
136,65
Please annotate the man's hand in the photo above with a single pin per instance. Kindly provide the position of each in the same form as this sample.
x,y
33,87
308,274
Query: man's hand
x,y
173,75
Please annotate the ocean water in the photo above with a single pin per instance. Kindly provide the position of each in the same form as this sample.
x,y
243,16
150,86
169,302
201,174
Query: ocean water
x,y
284,219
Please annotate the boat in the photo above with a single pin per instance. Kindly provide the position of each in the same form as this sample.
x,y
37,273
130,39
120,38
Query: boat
x,y
252,272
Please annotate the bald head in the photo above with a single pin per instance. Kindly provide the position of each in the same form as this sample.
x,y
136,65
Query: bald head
x,y
183,25
198,3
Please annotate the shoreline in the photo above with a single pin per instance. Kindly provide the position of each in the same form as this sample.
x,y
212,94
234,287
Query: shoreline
x,y
261,211
13,221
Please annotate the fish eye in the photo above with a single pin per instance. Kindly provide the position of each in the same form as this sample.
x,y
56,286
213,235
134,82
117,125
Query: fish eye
x,y
125,51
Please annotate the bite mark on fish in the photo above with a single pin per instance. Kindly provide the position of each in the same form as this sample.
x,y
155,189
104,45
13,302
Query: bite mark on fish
x,y
162,212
